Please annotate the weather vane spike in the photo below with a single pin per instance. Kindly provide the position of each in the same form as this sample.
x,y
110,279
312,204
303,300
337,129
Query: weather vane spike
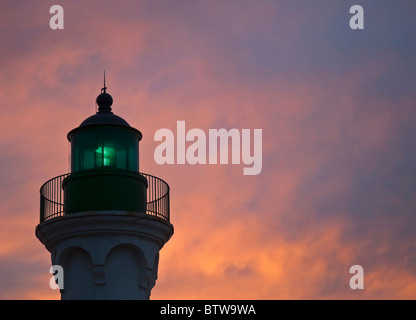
x,y
104,88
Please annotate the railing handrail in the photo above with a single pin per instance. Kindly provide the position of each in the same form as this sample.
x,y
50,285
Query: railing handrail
x,y
52,197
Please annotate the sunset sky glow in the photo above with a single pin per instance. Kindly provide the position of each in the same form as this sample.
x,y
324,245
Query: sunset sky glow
x,y
337,109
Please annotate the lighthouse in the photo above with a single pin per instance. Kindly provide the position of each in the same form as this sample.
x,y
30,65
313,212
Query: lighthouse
x,y
105,222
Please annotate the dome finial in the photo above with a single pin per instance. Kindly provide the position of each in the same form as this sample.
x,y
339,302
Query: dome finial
x,y
104,100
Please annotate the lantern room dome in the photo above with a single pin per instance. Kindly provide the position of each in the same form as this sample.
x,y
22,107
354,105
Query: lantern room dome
x,y
104,114
104,118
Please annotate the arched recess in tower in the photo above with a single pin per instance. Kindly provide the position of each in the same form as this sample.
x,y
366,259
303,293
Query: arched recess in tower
x,y
78,274
125,269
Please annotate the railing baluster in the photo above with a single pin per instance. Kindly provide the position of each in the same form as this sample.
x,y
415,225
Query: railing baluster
x,y
53,196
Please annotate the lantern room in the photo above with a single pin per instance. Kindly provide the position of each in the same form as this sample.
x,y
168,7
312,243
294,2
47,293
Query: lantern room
x,y
104,141
104,146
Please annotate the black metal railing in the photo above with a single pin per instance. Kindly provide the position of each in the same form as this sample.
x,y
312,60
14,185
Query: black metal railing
x,y
52,198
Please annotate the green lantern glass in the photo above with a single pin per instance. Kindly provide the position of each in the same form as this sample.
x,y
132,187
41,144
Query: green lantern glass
x,y
105,168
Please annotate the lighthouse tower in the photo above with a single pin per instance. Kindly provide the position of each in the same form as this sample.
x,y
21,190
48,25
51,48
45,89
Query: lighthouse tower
x,y
105,222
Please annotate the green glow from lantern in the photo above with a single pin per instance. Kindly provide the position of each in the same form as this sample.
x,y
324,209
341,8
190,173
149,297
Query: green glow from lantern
x,y
108,155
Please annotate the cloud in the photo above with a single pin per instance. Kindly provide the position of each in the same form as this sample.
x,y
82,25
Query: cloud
x,y
337,113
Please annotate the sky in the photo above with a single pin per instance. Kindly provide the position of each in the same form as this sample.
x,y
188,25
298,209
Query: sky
x,y
337,109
